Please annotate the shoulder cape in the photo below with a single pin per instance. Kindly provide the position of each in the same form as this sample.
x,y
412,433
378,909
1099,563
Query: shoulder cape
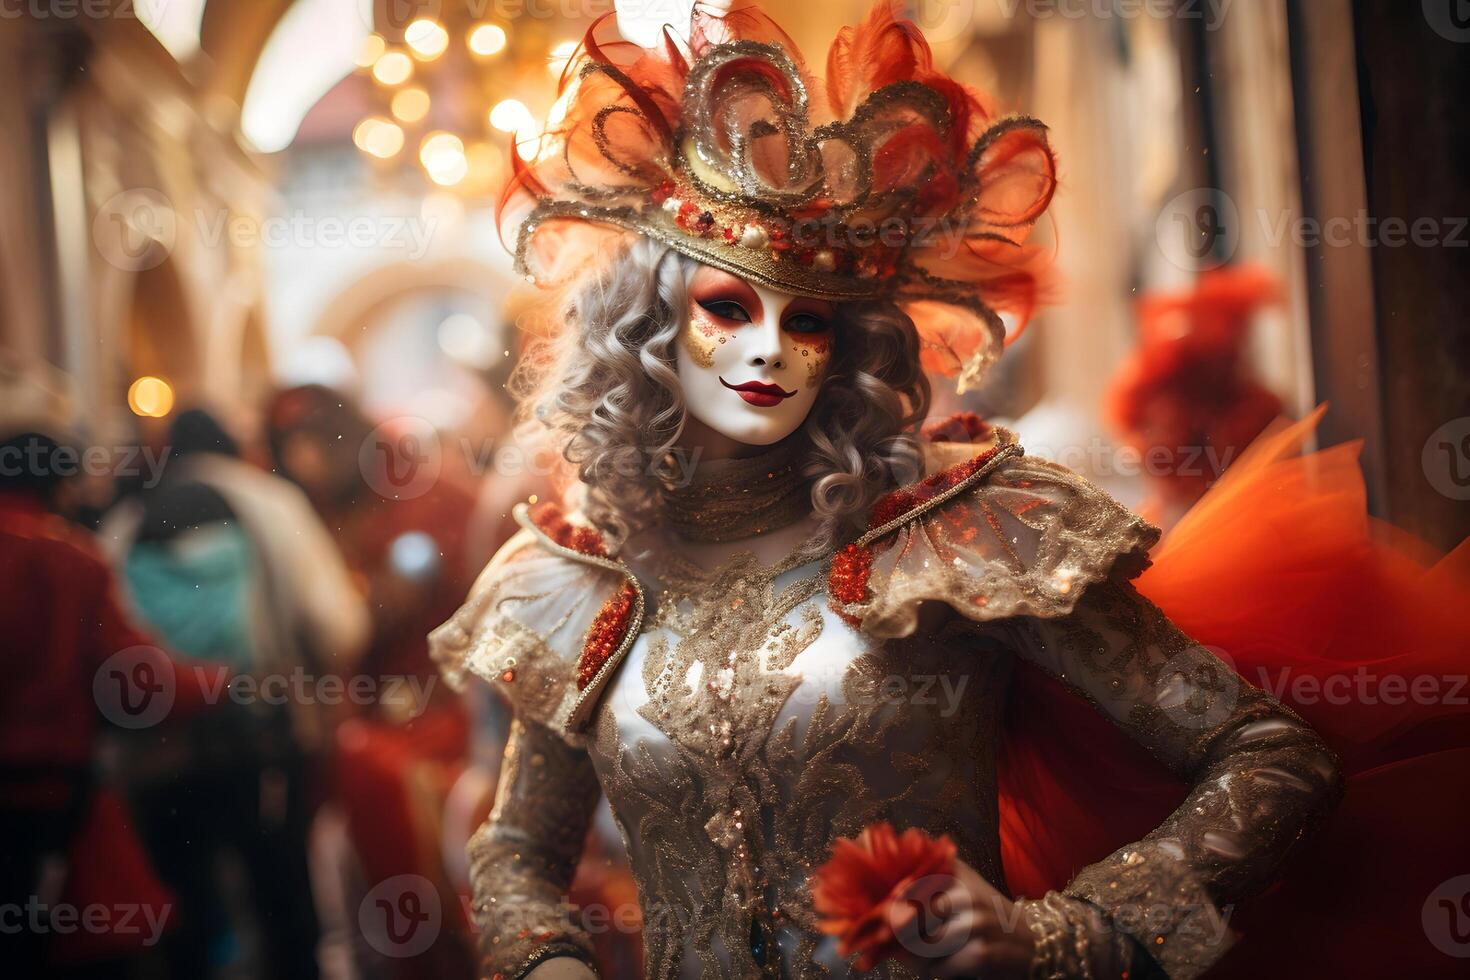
x,y
991,532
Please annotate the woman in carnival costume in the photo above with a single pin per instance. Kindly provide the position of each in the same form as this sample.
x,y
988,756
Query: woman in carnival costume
x,y
772,614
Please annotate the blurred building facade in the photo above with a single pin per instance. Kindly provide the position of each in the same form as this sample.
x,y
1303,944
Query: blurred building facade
x,y
126,186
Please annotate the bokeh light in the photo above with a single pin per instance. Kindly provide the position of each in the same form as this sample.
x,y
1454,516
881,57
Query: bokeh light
x,y
393,68
487,40
378,137
442,155
373,47
511,116
561,56
426,39
151,397
411,104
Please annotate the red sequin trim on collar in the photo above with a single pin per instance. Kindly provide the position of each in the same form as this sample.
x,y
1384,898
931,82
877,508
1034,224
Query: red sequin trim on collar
x,y
606,633
552,522
960,427
847,582
897,503
610,626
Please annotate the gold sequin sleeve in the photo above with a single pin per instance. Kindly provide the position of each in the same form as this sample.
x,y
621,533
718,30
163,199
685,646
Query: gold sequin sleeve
x,y
1260,779
523,858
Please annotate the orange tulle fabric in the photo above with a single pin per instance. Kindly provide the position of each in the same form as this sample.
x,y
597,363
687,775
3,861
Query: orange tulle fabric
x,y
854,892
1280,567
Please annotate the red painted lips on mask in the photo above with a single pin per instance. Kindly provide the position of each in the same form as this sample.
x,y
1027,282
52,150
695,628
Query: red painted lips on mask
x,y
759,393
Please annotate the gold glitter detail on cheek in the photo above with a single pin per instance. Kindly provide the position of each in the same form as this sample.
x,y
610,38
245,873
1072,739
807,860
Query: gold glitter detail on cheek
x,y
700,340
816,357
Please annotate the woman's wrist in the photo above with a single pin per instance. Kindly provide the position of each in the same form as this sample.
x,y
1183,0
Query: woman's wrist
x,y
1074,939
565,967
1062,950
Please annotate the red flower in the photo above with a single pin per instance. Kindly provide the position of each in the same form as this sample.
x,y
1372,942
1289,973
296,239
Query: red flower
x,y
853,892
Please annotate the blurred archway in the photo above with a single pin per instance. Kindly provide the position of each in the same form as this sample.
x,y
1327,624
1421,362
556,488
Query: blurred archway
x,y
159,334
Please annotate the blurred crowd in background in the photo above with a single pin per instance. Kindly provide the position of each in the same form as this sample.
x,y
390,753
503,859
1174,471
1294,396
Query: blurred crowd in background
x,y
249,620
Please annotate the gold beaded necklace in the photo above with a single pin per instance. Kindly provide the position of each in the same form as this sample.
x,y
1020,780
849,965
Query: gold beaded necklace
x,y
731,499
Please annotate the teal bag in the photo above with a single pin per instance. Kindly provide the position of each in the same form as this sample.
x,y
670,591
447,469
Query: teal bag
x,y
195,591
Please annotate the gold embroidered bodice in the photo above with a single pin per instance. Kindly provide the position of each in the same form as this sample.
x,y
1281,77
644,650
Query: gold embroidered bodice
x,y
753,717
747,726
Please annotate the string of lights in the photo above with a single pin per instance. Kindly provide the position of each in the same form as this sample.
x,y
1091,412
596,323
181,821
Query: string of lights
x,y
444,96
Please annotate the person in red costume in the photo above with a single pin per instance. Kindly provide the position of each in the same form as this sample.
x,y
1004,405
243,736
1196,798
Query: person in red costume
x,y
73,661
1186,386
714,647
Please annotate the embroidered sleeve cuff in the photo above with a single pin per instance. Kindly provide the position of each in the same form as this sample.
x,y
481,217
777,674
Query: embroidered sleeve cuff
x,y
518,961
1154,898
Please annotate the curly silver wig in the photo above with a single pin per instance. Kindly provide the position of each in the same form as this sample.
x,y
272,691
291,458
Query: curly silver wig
x,y
608,392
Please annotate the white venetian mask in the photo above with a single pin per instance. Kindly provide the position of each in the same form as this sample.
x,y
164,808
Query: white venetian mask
x,y
751,360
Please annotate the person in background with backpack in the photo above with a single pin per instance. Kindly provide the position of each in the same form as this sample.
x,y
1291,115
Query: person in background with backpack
x,y
230,564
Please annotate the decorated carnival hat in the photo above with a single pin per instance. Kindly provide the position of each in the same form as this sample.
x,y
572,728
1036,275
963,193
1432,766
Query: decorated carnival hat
x,y
890,180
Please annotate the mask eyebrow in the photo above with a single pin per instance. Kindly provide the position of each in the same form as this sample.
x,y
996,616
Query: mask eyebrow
x,y
711,285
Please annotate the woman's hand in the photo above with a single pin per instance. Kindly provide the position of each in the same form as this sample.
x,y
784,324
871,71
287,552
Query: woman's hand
x,y
562,968
961,926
